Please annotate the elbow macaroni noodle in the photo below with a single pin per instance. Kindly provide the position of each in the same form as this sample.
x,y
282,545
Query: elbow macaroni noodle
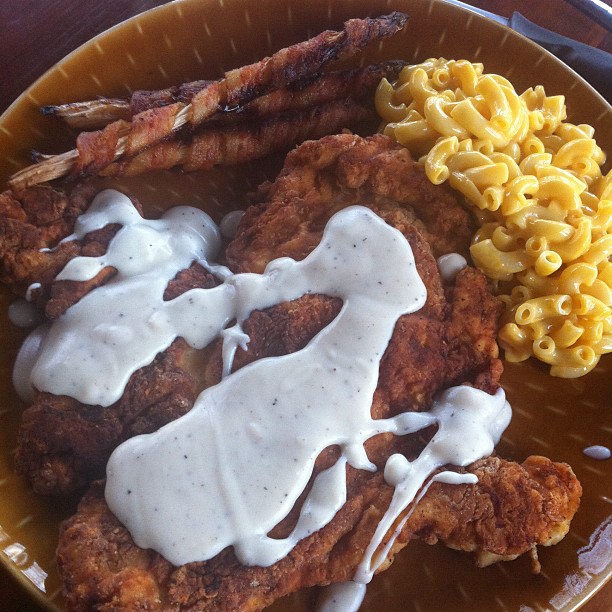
x,y
543,204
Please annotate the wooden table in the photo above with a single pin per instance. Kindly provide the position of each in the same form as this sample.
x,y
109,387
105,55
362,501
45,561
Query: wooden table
x,y
35,34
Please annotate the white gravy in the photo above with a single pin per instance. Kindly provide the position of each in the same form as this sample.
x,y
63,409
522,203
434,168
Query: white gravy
x,y
229,223
24,314
598,452
450,265
341,597
95,346
239,460
232,468
26,359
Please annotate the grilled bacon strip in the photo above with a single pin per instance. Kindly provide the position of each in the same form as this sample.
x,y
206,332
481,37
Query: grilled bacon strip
x,y
93,114
230,145
143,100
357,84
297,61
319,89
96,150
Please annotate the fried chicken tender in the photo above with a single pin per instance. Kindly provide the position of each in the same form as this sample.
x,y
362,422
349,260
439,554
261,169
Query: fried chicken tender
x,y
450,341
34,221
511,509
62,444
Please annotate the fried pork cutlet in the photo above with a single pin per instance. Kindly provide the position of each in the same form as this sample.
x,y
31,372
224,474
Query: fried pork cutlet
x,y
450,341
62,444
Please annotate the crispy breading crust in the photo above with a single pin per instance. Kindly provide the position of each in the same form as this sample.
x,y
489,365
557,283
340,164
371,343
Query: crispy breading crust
x,y
39,218
321,177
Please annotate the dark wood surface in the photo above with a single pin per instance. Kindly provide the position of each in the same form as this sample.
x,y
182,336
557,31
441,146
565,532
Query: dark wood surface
x,y
34,34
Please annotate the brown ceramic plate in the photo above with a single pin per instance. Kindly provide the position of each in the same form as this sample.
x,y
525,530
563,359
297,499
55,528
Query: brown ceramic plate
x,y
195,39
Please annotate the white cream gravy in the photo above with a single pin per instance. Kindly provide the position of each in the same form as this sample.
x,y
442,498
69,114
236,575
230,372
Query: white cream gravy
x,y
450,265
23,313
341,597
598,452
92,350
229,223
232,468
248,456
26,360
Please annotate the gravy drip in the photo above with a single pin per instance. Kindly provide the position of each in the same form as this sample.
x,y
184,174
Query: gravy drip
x,y
598,452
450,265
470,423
22,313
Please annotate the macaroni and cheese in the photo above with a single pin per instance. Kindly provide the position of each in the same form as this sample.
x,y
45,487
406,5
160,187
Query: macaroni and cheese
x,y
543,204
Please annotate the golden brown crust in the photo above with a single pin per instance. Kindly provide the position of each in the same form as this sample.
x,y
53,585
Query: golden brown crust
x,y
34,219
321,177
513,508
